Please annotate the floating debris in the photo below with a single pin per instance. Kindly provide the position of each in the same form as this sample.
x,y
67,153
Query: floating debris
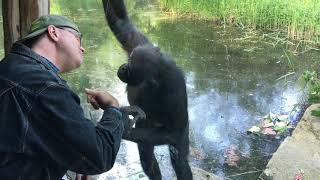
x,y
300,175
271,125
254,129
232,155
269,131
197,153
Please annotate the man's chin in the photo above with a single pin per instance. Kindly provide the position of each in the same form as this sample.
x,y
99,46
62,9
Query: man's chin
x,y
79,63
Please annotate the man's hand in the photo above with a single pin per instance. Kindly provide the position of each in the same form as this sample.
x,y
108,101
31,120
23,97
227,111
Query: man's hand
x,y
100,99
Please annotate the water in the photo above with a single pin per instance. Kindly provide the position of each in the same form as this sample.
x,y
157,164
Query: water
x,y
231,83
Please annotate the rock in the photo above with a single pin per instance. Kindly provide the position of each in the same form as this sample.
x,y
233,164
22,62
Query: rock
x,y
200,174
298,157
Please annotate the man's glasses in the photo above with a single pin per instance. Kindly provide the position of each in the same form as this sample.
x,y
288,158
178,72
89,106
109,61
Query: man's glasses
x,y
74,32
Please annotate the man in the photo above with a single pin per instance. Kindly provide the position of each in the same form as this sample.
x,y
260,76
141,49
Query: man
x,y
43,131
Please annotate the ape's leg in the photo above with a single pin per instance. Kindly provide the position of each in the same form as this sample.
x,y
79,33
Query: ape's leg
x,y
149,162
179,159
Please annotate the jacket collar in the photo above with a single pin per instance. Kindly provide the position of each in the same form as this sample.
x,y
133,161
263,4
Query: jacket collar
x,y
19,48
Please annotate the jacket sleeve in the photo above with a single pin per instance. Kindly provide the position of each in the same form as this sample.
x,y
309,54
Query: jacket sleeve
x,y
67,137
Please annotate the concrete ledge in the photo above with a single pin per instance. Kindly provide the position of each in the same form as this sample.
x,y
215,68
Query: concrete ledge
x,y
299,154
200,174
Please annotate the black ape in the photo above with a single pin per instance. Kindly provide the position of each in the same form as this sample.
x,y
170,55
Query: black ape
x,y
157,86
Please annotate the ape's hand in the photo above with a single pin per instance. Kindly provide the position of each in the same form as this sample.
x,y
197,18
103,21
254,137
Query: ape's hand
x,y
137,114
135,111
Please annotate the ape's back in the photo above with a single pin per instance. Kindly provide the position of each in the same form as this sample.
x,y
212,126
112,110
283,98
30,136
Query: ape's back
x,y
167,103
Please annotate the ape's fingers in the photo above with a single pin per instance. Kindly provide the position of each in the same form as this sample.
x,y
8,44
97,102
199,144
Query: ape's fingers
x,y
138,113
141,114
95,105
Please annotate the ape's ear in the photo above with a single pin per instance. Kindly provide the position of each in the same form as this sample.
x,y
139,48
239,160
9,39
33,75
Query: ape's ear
x,y
153,83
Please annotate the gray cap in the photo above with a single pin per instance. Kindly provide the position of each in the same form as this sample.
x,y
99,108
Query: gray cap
x,y
41,24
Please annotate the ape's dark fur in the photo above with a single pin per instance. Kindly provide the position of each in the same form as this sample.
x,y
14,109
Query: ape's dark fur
x,y
157,86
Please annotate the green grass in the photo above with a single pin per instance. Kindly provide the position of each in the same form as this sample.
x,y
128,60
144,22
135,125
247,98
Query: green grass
x,y
297,19
310,82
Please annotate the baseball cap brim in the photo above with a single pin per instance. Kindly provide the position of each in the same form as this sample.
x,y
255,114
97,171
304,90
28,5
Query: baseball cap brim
x,y
32,35
40,25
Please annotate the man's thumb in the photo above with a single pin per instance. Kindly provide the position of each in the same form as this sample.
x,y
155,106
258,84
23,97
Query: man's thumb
x,y
90,91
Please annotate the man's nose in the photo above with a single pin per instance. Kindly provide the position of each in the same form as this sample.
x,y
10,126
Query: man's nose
x,y
82,49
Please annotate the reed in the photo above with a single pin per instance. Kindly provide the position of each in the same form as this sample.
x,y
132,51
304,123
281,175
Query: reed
x,y
298,19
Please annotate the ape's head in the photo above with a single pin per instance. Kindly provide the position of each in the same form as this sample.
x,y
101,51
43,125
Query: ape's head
x,y
142,67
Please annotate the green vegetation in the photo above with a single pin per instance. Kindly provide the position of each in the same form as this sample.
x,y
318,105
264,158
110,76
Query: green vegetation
x,y
314,96
297,19
313,85
316,112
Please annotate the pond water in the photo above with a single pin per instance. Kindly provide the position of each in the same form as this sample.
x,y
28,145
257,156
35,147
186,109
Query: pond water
x,y
232,82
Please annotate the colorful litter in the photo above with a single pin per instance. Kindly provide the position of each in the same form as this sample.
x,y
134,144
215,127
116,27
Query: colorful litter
x,y
272,125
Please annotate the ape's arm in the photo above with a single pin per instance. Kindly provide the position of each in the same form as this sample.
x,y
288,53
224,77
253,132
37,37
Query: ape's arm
x,y
154,136
127,34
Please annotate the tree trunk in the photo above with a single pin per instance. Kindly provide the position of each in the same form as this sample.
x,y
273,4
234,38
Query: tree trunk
x,y
29,11
11,25
17,18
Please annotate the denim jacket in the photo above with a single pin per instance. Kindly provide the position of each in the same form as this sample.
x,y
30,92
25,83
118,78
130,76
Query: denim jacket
x,y
43,130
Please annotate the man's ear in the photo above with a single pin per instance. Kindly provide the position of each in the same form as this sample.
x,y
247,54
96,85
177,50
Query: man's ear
x,y
53,33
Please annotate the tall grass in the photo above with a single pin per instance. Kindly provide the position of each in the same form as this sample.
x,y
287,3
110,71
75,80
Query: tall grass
x,y
299,19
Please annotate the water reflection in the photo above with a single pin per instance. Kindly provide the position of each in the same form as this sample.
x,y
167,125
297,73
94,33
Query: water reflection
x,y
231,83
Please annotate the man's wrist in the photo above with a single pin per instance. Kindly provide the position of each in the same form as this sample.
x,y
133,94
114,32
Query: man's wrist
x,y
113,109
116,105
110,107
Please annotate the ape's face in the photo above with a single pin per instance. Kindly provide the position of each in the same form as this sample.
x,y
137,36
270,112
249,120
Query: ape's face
x,y
129,74
142,66
135,71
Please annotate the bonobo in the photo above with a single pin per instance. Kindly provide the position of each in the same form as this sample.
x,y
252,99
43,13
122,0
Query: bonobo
x,y
157,86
